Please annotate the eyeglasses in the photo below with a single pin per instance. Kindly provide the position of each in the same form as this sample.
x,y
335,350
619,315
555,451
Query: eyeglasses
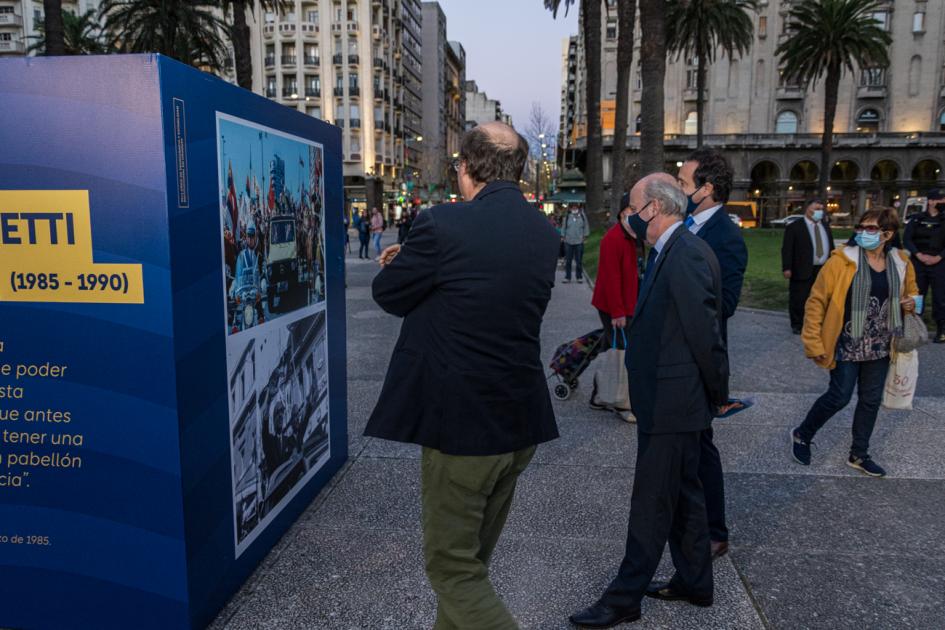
x,y
869,229
645,206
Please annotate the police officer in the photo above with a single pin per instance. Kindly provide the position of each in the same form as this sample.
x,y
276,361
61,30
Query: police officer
x,y
925,239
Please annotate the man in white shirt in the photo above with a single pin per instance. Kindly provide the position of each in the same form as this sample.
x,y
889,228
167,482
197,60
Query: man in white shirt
x,y
806,247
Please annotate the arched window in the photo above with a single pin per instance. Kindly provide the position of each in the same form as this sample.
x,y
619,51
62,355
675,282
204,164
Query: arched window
x,y
786,122
691,124
868,121
640,123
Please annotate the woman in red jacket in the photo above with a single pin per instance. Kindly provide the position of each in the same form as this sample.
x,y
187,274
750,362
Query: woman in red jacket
x,y
615,293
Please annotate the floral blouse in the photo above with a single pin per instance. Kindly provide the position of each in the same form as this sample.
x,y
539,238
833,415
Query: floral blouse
x,y
877,338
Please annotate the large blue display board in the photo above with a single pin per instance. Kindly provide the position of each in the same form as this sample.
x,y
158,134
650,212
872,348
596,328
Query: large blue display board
x,y
172,355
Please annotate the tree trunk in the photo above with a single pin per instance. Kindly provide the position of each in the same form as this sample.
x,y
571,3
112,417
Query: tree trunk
x,y
831,88
700,98
242,57
53,28
626,16
593,170
653,61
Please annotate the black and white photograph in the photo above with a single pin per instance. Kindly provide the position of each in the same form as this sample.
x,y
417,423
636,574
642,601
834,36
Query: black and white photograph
x,y
279,431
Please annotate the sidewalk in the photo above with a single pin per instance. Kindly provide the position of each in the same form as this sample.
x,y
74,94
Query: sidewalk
x,y
817,547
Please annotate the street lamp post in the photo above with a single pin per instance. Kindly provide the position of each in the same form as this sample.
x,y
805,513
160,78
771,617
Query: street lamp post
x,y
541,159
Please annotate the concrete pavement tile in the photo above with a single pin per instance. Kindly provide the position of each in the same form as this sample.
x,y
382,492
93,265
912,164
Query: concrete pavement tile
x,y
597,438
807,514
362,396
833,591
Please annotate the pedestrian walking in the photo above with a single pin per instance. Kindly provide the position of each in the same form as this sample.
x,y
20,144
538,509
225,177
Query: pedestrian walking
x,y
854,311
806,247
706,179
574,231
377,230
466,380
403,225
615,291
363,225
678,377
924,238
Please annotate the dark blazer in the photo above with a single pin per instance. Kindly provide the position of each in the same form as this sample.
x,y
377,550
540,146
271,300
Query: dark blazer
x,y
677,359
725,239
472,283
797,250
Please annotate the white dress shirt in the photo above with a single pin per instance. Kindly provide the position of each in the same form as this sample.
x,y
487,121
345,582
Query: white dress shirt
x,y
698,220
817,225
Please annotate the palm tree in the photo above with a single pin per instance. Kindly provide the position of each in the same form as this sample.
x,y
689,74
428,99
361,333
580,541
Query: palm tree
x,y
52,26
653,73
240,34
700,28
183,29
594,168
626,17
826,38
81,34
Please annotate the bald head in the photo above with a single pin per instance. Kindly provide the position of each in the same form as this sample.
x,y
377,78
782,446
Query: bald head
x,y
638,195
493,151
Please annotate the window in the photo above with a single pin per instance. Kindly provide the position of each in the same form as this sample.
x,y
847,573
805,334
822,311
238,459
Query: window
x,y
6,37
378,114
918,22
611,30
338,13
873,77
355,111
692,73
691,124
763,26
6,9
270,87
352,46
270,17
339,82
786,122
639,122
355,142
353,81
312,15
337,46
868,121
639,75
882,19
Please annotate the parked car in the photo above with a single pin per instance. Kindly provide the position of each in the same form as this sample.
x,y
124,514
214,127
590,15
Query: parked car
x,y
737,220
786,221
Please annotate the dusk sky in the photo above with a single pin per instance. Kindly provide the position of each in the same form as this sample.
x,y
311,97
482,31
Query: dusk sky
x,y
513,51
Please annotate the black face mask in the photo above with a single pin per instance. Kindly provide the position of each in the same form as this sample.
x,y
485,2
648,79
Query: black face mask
x,y
638,225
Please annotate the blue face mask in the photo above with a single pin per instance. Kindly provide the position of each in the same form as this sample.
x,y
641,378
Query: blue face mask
x,y
638,225
868,241
818,215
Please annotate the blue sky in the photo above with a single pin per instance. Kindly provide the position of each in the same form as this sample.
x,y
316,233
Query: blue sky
x,y
513,51
242,144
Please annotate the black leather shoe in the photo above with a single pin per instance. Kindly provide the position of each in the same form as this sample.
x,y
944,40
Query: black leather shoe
x,y
668,593
601,615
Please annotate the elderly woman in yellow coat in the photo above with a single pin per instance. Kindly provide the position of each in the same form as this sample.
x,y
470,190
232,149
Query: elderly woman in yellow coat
x,y
854,312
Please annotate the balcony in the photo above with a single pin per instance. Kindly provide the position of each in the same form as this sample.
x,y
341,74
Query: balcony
x,y
790,93
11,19
871,91
309,29
270,91
270,62
355,123
378,126
378,93
290,92
337,59
376,32
353,60
289,60
268,30
12,46
378,63
339,91
354,91
340,122
313,92
312,61
337,27
353,27
287,29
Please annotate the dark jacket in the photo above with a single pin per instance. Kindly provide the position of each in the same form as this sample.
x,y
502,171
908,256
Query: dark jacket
x,y
797,250
725,239
466,376
677,359
925,234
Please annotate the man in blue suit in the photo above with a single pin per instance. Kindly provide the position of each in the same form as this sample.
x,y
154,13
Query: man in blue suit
x,y
706,179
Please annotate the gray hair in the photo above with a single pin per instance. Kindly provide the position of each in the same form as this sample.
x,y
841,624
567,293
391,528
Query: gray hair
x,y
671,198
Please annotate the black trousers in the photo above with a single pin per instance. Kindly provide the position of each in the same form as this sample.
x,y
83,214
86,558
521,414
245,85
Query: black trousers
x,y
713,486
932,276
798,292
667,505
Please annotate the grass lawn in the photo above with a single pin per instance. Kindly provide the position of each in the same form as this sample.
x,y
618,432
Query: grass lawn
x,y
765,286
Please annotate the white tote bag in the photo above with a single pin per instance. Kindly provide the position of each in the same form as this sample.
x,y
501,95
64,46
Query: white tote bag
x,y
901,380
610,381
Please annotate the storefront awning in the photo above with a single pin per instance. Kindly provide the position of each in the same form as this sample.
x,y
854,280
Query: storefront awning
x,y
563,196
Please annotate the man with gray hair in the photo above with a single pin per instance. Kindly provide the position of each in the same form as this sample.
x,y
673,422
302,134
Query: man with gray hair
x,y
678,377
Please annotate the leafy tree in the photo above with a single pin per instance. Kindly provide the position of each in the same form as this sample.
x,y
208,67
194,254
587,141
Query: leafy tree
x,y
82,35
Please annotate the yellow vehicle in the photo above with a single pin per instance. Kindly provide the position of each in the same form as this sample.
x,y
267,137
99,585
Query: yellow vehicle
x,y
745,211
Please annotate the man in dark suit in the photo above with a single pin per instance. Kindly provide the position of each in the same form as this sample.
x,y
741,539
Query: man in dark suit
x,y
706,179
806,247
678,377
465,382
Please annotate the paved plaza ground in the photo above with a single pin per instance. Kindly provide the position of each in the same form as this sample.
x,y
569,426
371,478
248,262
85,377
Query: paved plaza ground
x,y
818,547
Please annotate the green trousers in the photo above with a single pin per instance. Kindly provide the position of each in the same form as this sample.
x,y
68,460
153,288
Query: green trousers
x,y
466,500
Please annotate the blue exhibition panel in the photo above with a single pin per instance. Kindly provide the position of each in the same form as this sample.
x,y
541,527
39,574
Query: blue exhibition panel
x,y
172,337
